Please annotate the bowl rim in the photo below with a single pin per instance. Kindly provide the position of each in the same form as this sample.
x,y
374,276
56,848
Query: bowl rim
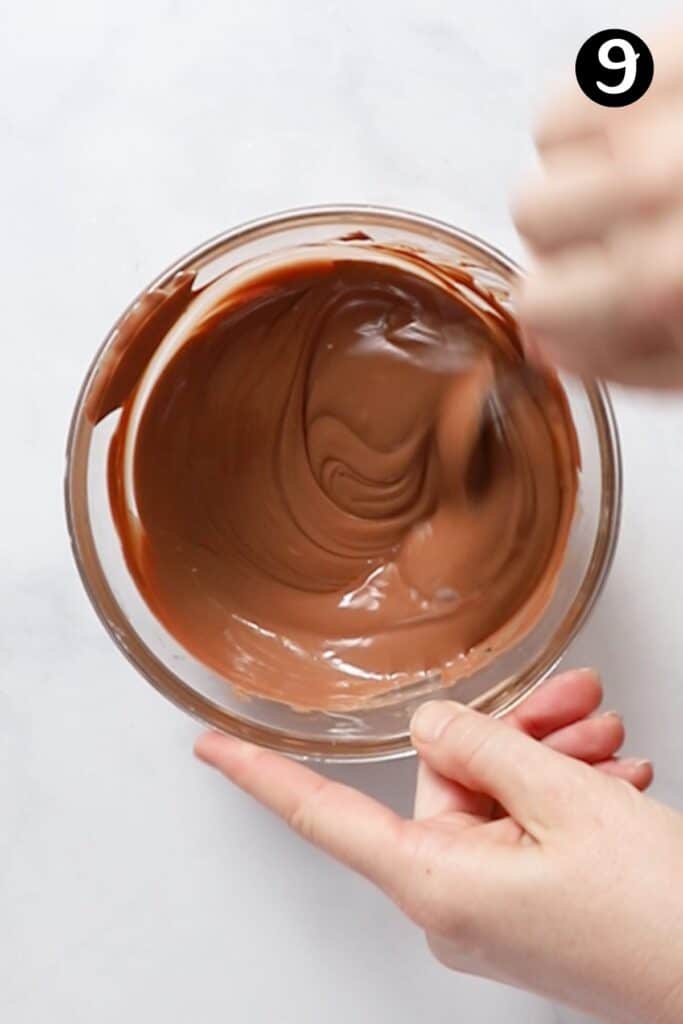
x,y
497,700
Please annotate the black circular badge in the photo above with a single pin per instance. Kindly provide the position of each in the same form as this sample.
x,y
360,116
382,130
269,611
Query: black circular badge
x,y
614,67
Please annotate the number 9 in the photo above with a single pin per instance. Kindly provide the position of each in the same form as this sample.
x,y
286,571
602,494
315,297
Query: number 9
x,y
629,65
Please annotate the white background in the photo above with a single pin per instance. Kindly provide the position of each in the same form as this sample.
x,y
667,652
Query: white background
x,y
134,884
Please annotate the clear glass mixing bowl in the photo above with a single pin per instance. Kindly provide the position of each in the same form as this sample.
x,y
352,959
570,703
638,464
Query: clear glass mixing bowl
x,y
380,730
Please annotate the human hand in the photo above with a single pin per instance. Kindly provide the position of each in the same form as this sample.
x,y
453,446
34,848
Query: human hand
x,y
604,220
522,864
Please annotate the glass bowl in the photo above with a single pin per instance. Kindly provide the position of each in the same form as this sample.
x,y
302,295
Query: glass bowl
x,y
379,730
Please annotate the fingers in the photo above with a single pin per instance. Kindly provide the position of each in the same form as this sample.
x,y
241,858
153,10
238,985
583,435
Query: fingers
x,y
649,157
352,827
663,373
570,304
437,796
639,773
657,283
584,199
592,740
532,783
557,713
604,221
575,205
566,698
570,120
612,314
434,793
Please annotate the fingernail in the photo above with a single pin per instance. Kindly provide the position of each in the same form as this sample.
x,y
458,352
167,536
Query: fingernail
x,y
612,714
430,720
638,763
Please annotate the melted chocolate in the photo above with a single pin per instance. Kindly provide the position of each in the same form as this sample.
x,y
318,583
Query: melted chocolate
x,y
338,475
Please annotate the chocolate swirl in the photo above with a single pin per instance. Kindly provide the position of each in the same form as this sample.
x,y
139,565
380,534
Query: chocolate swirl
x,y
340,476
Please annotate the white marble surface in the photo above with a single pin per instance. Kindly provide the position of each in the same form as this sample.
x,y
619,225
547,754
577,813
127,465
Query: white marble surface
x,y
133,884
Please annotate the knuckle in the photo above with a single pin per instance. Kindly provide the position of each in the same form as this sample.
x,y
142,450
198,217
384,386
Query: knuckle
x,y
563,119
474,739
563,792
649,157
650,187
661,288
533,307
671,285
525,209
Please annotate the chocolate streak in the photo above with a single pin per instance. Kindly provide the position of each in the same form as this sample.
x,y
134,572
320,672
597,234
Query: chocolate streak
x,y
338,474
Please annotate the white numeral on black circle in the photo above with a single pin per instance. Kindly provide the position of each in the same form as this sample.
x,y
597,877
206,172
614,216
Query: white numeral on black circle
x,y
628,63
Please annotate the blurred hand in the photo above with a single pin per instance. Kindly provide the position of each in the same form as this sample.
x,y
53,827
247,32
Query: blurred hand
x,y
604,220
523,864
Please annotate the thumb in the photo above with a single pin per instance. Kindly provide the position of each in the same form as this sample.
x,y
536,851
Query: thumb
x,y
537,786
